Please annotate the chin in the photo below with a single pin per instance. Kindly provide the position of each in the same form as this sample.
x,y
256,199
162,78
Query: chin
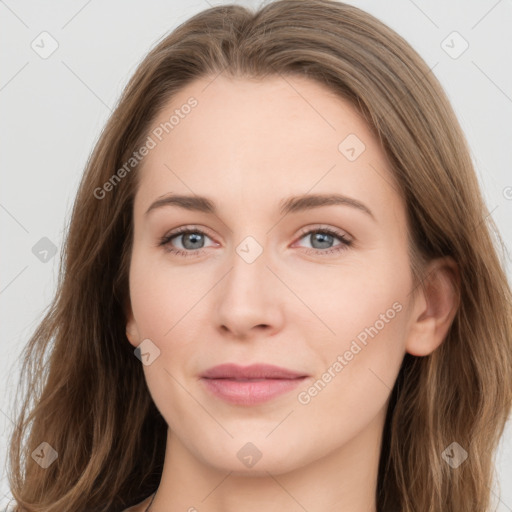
x,y
246,458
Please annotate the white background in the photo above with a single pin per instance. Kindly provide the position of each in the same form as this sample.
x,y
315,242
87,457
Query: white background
x,y
53,110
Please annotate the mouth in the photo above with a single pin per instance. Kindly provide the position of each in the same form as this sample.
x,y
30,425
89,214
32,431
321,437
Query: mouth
x,y
250,385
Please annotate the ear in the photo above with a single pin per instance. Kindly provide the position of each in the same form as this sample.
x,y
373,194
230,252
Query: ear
x,y
132,332
435,306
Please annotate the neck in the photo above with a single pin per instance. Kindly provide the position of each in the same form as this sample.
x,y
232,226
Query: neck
x,y
344,479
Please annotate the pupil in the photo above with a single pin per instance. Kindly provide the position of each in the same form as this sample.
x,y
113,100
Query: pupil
x,y
192,236
323,238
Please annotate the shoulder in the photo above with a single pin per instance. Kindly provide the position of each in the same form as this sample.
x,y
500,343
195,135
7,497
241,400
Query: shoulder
x,y
140,507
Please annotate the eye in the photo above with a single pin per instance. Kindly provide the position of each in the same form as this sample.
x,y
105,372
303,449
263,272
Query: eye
x,y
192,241
322,239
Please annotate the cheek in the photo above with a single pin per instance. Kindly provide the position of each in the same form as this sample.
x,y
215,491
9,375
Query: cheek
x,y
166,304
354,300
162,306
357,370
365,307
161,295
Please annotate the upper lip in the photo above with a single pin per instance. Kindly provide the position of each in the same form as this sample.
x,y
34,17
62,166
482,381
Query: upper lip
x,y
254,371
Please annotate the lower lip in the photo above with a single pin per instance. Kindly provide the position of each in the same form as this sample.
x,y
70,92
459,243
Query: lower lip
x,y
250,392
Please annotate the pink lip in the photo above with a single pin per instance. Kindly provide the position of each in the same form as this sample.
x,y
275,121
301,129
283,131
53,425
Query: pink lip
x,y
252,384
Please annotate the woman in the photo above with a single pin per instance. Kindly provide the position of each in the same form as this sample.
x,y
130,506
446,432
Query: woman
x,y
203,357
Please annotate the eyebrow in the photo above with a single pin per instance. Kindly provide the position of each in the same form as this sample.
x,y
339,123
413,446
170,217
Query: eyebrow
x,y
291,205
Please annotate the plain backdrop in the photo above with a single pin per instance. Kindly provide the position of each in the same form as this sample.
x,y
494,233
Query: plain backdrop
x,y
54,106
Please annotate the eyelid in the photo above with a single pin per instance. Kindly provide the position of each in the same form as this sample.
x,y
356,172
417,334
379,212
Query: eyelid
x,y
190,228
325,227
187,229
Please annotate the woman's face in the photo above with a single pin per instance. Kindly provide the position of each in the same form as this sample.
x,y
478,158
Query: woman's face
x,y
258,280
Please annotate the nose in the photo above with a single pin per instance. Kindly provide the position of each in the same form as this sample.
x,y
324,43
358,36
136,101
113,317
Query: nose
x,y
249,298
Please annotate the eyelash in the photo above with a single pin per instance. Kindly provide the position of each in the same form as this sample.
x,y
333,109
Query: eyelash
x,y
345,242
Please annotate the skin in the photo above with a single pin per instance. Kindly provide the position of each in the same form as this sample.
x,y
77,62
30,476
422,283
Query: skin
x,y
248,145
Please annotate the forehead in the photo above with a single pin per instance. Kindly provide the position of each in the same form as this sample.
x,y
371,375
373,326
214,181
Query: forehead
x,y
261,140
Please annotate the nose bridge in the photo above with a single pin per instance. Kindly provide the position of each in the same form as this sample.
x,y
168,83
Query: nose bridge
x,y
246,298
248,268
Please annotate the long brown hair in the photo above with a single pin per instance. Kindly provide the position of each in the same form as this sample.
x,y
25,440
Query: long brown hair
x,y
85,392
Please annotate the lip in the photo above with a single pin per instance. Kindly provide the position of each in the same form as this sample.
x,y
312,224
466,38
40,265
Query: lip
x,y
250,385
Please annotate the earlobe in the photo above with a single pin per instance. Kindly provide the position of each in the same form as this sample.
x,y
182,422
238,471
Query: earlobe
x,y
435,307
132,336
132,333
